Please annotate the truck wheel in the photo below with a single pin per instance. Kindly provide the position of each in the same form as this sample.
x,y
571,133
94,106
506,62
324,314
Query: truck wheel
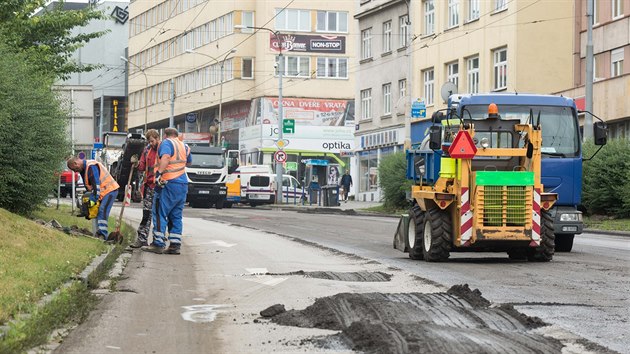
x,y
228,204
437,235
544,252
253,205
415,233
564,242
219,204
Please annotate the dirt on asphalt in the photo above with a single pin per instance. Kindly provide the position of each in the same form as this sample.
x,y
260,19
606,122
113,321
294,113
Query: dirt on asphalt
x,y
342,276
458,321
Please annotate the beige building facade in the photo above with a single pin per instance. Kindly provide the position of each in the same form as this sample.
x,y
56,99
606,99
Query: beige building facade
x,y
611,74
180,47
480,46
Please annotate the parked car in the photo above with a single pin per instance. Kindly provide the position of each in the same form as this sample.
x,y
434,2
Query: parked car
x,y
65,181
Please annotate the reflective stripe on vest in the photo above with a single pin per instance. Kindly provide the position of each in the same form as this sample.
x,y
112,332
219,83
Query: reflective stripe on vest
x,y
177,164
106,181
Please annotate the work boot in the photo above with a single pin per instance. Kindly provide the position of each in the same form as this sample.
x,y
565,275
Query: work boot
x,y
153,249
172,250
138,244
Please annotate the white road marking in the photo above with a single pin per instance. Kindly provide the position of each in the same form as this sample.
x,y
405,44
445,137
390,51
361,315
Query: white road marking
x,y
112,347
202,313
199,299
267,280
219,243
257,271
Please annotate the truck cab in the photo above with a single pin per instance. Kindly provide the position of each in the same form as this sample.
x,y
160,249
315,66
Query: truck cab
x,y
207,176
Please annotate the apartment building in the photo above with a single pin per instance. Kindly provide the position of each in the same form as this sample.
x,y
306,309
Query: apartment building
x,y
611,45
479,46
198,61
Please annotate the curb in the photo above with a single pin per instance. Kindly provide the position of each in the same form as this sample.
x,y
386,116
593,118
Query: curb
x,y
607,232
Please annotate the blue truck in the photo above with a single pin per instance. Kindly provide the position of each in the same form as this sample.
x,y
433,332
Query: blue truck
x,y
561,147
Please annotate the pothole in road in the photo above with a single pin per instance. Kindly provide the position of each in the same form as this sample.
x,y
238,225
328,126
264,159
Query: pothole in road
x,y
460,320
342,276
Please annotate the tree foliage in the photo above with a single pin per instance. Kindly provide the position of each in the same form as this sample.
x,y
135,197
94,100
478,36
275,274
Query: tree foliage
x,y
393,181
33,138
47,38
606,179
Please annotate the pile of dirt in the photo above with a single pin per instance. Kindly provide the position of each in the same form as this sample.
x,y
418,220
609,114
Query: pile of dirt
x,y
362,276
460,320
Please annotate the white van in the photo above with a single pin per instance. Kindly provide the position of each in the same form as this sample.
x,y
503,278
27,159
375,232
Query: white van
x,y
261,189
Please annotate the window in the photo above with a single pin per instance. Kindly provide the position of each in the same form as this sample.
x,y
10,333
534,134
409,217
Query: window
x,y
617,8
500,69
403,24
366,43
452,73
616,62
387,37
500,5
247,19
429,85
595,12
366,104
453,13
473,75
473,10
293,20
387,99
368,169
296,66
429,17
330,21
332,68
247,68
402,88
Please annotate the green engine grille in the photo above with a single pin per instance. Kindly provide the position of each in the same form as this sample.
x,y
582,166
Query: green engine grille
x,y
505,206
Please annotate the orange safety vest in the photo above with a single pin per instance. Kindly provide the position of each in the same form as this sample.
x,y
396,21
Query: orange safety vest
x,y
177,164
107,182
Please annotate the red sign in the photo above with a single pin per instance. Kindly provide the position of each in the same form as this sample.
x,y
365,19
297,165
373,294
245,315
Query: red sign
x,y
580,103
280,156
463,146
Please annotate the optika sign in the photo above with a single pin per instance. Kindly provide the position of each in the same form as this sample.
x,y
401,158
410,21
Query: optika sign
x,y
337,145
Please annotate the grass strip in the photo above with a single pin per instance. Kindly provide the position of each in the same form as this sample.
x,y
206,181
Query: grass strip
x,y
604,223
47,260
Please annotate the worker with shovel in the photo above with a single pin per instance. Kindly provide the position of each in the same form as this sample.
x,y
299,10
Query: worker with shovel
x,y
103,187
170,194
148,164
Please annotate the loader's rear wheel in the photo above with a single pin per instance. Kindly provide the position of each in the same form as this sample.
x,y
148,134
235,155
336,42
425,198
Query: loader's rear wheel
x,y
544,252
437,235
415,234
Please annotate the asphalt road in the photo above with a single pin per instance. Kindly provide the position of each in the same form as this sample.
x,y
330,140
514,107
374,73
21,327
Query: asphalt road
x,y
208,299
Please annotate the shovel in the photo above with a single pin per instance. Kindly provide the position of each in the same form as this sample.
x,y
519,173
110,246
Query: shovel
x,y
116,236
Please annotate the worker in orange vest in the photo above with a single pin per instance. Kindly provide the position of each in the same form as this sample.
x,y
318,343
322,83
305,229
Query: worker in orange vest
x,y
103,187
170,194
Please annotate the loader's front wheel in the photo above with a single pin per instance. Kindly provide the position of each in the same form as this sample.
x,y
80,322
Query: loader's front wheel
x,y
415,234
544,252
437,235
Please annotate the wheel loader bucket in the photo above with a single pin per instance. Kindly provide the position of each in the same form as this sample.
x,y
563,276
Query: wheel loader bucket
x,y
400,238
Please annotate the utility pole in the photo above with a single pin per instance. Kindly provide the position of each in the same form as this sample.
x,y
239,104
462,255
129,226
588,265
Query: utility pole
x,y
100,120
588,119
279,169
171,119
409,81
73,147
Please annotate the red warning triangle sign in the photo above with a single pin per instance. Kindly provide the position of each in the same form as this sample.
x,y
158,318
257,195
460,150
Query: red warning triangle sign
x,y
463,146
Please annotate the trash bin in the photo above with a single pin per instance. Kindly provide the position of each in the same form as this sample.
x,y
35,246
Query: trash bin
x,y
332,193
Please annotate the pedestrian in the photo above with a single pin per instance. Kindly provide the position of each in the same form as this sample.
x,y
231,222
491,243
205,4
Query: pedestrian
x,y
147,164
171,186
104,189
346,183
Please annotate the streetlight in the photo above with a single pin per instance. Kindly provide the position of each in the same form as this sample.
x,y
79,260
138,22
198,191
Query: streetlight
x,y
280,113
232,51
146,90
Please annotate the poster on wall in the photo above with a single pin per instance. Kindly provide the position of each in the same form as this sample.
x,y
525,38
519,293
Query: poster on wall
x,y
305,112
234,116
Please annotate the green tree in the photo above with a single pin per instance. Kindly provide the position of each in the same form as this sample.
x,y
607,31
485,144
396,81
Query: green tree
x,y
393,181
33,138
47,38
606,179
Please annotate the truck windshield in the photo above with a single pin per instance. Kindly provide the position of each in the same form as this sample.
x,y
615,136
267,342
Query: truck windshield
x,y
560,132
116,140
206,161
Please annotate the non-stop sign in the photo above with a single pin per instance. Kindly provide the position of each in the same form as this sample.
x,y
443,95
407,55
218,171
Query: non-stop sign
x,y
280,156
